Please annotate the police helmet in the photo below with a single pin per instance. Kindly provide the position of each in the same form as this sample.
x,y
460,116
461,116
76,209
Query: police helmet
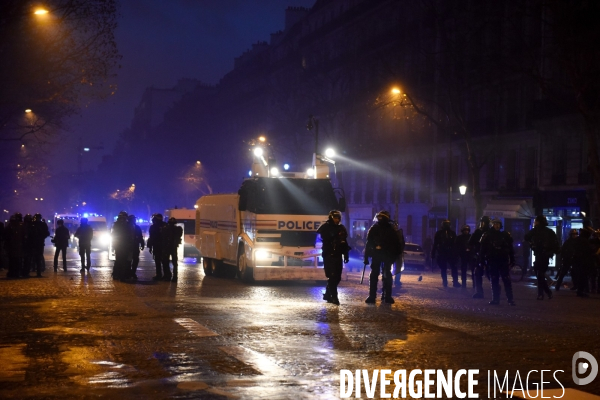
x,y
37,217
84,221
157,217
131,218
335,214
465,228
123,214
172,220
60,222
541,219
446,224
497,221
383,216
28,218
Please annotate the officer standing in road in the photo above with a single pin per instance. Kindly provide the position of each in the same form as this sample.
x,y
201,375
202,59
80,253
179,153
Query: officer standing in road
x,y
443,252
484,226
544,244
40,233
85,233
335,247
383,247
497,249
171,236
122,239
463,252
138,245
61,241
155,244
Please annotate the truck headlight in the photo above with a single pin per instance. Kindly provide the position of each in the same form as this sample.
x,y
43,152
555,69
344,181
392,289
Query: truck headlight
x,y
262,254
105,239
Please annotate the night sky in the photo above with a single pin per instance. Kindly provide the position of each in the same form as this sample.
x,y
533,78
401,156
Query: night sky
x,y
161,42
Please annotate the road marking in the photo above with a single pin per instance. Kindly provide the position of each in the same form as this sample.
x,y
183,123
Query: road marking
x,y
259,362
195,327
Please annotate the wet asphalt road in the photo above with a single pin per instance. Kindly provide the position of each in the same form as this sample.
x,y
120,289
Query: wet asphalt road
x,y
72,335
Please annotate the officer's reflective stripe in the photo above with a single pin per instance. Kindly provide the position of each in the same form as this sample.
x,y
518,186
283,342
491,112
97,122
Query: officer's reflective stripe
x,y
256,360
195,327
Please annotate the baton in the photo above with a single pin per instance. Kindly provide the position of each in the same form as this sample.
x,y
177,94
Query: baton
x,y
363,274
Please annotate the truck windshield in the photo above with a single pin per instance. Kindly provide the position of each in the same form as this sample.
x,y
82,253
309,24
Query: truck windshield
x,y
287,196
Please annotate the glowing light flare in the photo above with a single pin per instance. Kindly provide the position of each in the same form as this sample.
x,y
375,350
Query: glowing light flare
x,y
262,139
40,11
395,90
462,189
330,153
274,171
286,166
28,110
310,172
258,152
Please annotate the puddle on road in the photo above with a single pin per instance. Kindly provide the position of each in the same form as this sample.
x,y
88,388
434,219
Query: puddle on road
x,y
86,367
14,362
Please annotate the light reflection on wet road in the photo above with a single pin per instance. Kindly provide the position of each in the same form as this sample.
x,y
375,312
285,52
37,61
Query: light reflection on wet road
x,y
79,335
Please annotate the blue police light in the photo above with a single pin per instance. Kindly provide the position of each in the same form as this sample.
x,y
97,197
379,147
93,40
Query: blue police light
x,y
286,166
249,173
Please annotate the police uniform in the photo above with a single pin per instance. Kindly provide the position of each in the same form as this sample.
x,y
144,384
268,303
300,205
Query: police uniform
x,y
544,244
383,247
443,252
479,260
335,248
497,249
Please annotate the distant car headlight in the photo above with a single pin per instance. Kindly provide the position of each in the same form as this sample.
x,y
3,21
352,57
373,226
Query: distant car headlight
x,y
105,238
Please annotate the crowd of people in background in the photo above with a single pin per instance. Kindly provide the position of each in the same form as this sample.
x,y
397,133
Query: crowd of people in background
x,y
23,239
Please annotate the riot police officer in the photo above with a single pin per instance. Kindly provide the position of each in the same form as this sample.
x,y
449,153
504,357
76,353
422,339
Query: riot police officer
x,y
463,252
138,244
61,241
335,247
544,244
122,238
443,252
383,247
171,236
85,234
497,250
484,226
155,244
40,233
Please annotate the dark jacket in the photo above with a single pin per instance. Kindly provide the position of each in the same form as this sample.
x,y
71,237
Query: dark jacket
x,y
155,242
85,234
14,239
462,248
61,237
497,247
382,242
443,243
171,236
122,235
543,240
335,239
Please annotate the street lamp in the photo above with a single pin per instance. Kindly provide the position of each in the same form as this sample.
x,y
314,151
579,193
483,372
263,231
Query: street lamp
x,y
463,190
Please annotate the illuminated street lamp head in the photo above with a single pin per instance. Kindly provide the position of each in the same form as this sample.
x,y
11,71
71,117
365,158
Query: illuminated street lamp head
x,y
330,153
395,90
28,110
86,149
258,152
40,11
198,162
262,139
462,189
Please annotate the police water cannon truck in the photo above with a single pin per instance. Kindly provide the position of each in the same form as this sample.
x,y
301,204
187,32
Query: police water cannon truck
x,y
268,230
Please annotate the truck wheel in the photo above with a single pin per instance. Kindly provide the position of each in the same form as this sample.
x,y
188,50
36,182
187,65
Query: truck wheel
x,y
244,271
207,265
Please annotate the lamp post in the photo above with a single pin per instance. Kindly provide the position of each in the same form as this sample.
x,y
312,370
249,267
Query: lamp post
x,y
463,190
314,122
